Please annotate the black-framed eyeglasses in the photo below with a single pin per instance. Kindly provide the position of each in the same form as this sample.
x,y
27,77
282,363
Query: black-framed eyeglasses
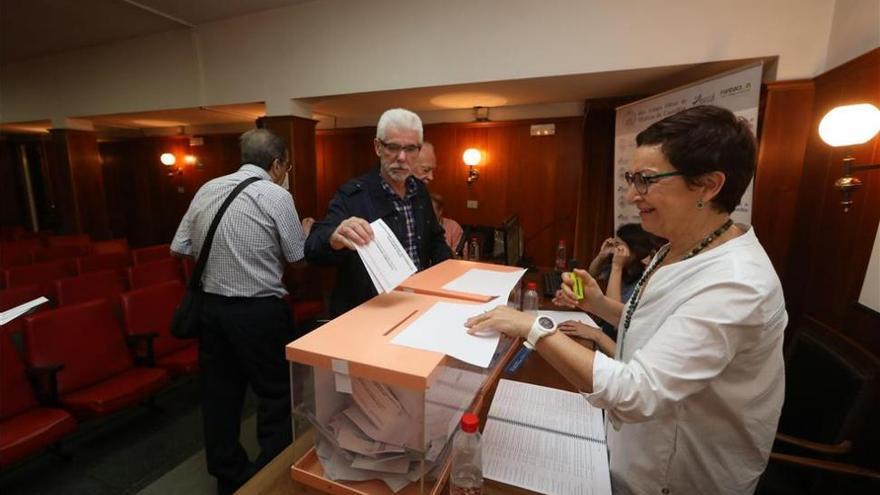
x,y
641,181
409,149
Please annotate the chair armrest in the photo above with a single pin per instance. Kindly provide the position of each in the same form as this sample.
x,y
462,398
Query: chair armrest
x,y
830,466
45,381
141,345
822,448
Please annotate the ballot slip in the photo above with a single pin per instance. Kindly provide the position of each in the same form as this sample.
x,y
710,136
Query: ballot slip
x,y
387,262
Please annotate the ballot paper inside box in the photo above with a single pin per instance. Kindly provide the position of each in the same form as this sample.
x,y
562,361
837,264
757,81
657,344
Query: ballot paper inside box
x,y
383,414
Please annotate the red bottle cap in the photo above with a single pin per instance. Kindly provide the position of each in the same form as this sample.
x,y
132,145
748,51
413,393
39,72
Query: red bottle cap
x,y
532,286
469,422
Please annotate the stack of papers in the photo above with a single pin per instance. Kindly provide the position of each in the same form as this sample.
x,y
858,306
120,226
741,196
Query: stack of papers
x,y
377,434
11,314
486,282
545,440
387,262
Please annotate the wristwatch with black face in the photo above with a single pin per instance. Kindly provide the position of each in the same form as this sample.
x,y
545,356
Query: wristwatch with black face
x,y
542,327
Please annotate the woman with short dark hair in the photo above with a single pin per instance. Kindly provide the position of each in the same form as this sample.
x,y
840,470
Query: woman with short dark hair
x,y
695,388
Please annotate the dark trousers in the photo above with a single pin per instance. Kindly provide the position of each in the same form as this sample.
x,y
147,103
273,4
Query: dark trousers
x,y
242,344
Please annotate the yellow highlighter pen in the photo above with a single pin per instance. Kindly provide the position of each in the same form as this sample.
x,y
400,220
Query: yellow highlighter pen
x,y
577,287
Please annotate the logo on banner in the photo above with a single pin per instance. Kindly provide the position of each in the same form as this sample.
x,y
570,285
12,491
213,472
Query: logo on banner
x,y
703,100
736,90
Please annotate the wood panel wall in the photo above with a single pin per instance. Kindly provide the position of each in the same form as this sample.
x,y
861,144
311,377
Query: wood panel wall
x,y
535,178
829,250
13,197
148,199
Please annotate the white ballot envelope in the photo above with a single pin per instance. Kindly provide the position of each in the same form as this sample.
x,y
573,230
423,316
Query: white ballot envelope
x,y
387,262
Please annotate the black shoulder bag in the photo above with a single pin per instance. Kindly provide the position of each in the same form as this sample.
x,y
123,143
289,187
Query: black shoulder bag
x,y
187,316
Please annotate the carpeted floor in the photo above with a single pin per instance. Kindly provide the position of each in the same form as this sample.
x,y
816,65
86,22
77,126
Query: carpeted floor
x,y
138,450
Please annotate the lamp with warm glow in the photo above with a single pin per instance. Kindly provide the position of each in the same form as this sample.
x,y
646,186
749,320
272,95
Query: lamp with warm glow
x,y
850,125
167,159
190,159
472,157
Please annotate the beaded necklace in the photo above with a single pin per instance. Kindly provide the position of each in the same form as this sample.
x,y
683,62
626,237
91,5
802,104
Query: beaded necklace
x,y
637,291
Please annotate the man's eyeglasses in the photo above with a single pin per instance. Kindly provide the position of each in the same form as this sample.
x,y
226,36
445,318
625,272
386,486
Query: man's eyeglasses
x,y
409,149
641,182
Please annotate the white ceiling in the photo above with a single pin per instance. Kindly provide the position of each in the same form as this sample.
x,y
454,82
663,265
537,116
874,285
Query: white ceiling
x,y
512,99
33,28
54,26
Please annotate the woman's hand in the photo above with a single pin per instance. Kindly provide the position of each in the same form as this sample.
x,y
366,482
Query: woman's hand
x,y
621,255
502,319
565,296
608,246
580,330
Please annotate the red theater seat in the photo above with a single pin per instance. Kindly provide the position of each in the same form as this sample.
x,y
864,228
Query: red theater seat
x,y
43,274
151,253
16,254
105,284
149,310
79,240
98,375
153,273
25,427
97,262
51,253
113,246
10,298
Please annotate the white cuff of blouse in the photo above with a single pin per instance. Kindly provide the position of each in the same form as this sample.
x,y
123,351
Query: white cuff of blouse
x,y
604,368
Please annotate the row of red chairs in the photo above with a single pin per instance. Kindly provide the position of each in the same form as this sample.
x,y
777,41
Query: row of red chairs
x,y
23,253
85,363
47,274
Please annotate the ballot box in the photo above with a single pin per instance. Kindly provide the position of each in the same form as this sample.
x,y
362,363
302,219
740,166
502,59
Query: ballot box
x,y
383,414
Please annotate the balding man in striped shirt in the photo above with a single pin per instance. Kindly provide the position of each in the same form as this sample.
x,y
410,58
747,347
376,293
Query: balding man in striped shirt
x,y
245,322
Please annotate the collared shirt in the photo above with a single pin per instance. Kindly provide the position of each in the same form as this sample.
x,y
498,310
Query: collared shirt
x,y
694,401
404,206
259,233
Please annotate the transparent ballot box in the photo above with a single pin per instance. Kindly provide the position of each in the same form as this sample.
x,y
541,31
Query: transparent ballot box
x,y
382,414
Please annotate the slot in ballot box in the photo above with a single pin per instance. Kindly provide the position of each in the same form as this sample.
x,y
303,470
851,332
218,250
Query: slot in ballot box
x,y
382,414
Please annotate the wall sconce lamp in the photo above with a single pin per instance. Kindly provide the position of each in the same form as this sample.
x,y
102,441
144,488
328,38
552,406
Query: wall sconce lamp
x,y
168,159
850,125
472,157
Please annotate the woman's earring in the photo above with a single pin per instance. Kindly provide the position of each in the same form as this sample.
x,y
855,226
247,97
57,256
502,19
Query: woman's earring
x,y
700,204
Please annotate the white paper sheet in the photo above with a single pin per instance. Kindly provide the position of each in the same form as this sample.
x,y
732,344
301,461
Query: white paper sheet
x,y
545,440
11,314
485,282
387,262
441,329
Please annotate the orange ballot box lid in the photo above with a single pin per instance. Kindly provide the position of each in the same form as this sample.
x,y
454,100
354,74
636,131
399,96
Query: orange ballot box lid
x,y
357,343
432,280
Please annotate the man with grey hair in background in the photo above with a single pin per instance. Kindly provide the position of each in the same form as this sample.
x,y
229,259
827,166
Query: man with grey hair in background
x,y
245,323
389,192
425,164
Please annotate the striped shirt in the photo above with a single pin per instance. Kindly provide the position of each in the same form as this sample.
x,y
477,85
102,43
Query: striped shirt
x,y
259,234
404,206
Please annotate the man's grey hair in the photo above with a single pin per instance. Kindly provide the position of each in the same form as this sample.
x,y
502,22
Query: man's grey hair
x,y
261,147
400,119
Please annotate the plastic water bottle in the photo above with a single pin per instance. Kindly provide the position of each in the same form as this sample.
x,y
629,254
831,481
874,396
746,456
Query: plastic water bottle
x,y
467,459
474,249
561,256
530,299
514,300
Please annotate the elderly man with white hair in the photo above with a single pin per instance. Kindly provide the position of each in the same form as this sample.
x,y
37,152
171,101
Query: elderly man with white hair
x,y
389,192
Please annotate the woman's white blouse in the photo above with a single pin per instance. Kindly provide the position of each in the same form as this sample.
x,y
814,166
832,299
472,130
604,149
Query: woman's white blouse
x,y
694,401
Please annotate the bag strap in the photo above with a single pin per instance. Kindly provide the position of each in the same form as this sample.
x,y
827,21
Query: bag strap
x,y
196,280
